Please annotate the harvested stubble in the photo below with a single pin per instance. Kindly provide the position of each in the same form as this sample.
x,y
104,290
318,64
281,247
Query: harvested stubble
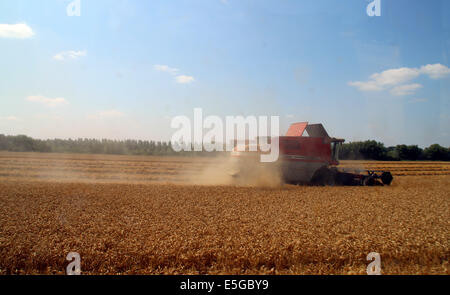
x,y
172,228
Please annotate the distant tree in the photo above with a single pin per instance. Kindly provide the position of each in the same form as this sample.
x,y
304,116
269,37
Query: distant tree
x,y
373,150
22,143
392,154
360,150
410,152
3,143
435,152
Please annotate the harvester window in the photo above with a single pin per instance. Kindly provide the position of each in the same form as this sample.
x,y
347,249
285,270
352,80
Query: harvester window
x,y
335,146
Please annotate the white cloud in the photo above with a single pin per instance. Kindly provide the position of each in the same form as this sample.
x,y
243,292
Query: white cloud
x,y
167,69
49,102
379,81
9,118
107,114
395,76
435,71
394,79
18,31
183,79
71,54
405,89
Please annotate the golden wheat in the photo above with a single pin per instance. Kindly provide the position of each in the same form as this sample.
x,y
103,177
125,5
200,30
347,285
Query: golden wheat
x,y
55,204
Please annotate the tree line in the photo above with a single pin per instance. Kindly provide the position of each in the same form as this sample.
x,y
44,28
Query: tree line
x,y
367,150
372,150
23,143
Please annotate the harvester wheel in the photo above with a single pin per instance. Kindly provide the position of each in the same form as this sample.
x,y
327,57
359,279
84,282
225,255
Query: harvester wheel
x,y
369,181
386,178
324,176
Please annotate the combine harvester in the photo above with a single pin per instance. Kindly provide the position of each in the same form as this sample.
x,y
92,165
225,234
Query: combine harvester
x,y
311,159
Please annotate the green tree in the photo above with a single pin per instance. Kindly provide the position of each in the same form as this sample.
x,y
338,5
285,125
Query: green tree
x,y
410,152
435,152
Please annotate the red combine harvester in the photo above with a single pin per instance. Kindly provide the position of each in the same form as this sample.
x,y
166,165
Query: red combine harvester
x,y
311,159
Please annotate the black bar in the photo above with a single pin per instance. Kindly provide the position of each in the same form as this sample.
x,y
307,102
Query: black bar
x,y
229,284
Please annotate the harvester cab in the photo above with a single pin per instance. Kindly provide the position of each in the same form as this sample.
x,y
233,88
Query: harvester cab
x,y
329,146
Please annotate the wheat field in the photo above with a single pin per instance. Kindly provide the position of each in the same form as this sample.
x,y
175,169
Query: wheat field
x,y
147,215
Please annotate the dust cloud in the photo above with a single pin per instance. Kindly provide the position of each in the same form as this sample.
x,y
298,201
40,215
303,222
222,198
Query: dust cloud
x,y
226,170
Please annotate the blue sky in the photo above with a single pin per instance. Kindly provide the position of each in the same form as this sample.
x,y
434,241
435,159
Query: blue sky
x,y
123,69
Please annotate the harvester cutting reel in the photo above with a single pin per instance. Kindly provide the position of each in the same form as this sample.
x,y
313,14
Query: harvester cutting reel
x,y
333,176
372,177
